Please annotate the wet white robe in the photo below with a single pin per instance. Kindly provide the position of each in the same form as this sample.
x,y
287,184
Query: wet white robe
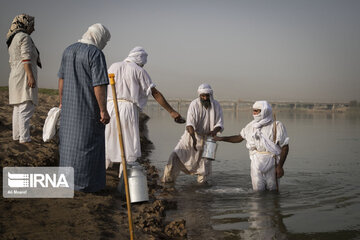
x,y
262,151
184,157
133,86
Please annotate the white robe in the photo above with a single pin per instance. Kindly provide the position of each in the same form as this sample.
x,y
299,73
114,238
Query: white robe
x,y
133,86
262,151
184,157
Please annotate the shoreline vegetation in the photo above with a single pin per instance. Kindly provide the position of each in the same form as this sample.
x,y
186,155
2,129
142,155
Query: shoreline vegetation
x,y
101,215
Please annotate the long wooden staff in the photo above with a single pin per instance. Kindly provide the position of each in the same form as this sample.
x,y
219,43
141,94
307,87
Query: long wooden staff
x,y
274,138
128,202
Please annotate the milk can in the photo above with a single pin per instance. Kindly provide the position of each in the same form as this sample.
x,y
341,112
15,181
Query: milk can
x,y
210,147
137,184
137,181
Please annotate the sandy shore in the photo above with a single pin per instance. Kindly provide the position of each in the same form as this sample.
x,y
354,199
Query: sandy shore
x,y
86,216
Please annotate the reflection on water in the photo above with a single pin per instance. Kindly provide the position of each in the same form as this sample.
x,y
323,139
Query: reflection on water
x,y
266,221
259,217
319,194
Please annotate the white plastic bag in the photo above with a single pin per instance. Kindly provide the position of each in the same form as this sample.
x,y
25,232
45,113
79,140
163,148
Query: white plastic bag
x,y
52,120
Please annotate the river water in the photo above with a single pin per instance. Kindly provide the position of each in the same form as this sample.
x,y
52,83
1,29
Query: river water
x,y
319,195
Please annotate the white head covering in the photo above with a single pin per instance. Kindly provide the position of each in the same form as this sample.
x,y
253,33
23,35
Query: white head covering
x,y
265,116
259,140
138,55
97,35
205,89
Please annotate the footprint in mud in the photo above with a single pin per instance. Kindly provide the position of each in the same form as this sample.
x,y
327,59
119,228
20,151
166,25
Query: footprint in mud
x,y
22,147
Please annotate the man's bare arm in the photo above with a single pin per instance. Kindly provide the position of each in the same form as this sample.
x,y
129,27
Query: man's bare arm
x,y
191,131
215,131
283,156
162,101
100,94
230,139
61,86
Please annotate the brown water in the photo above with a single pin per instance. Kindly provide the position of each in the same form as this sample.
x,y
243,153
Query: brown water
x,y
319,194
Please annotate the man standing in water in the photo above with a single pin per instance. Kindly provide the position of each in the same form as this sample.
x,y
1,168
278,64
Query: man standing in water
x,y
268,146
204,118
133,86
82,89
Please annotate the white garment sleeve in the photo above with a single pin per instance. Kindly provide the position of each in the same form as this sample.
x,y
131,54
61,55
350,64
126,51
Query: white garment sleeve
x,y
281,137
245,130
26,47
191,119
242,133
112,69
219,119
146,82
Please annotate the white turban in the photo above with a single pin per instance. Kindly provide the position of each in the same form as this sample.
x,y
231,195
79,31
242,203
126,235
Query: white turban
x,y
138,55
265,116
97,35
205,89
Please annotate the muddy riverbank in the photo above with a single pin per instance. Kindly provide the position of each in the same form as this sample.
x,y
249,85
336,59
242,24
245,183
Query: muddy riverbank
x,y
86,216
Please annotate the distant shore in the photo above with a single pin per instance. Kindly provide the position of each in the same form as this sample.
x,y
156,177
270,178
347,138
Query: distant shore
x,y
244,105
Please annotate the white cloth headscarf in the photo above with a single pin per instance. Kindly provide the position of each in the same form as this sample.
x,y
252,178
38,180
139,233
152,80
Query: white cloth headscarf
x,y
264,118
97,35
205,89
138,55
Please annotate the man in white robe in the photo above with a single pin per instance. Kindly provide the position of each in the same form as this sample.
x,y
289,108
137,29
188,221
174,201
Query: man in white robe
x,y
204,118
268,146
133,86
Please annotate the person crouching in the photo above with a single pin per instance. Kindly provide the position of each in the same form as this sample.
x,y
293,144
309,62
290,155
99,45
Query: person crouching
x,y
204,118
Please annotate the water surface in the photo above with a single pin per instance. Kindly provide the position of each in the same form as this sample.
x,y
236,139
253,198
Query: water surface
x,y
319,194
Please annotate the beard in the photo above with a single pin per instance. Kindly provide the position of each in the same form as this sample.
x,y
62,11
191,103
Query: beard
x,y
205,103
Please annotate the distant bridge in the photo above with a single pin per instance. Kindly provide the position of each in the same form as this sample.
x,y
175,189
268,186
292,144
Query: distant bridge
x,y
183,104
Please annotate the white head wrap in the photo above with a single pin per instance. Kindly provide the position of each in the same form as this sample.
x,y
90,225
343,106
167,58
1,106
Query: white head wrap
x,y
138,55
205,89
258,140
265,116
97,35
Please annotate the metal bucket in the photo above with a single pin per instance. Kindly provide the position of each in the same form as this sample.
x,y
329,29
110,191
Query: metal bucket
x,y
209,151
138,184
138,188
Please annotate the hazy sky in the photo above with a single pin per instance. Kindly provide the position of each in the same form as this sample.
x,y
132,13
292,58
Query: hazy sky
x,y
296,50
